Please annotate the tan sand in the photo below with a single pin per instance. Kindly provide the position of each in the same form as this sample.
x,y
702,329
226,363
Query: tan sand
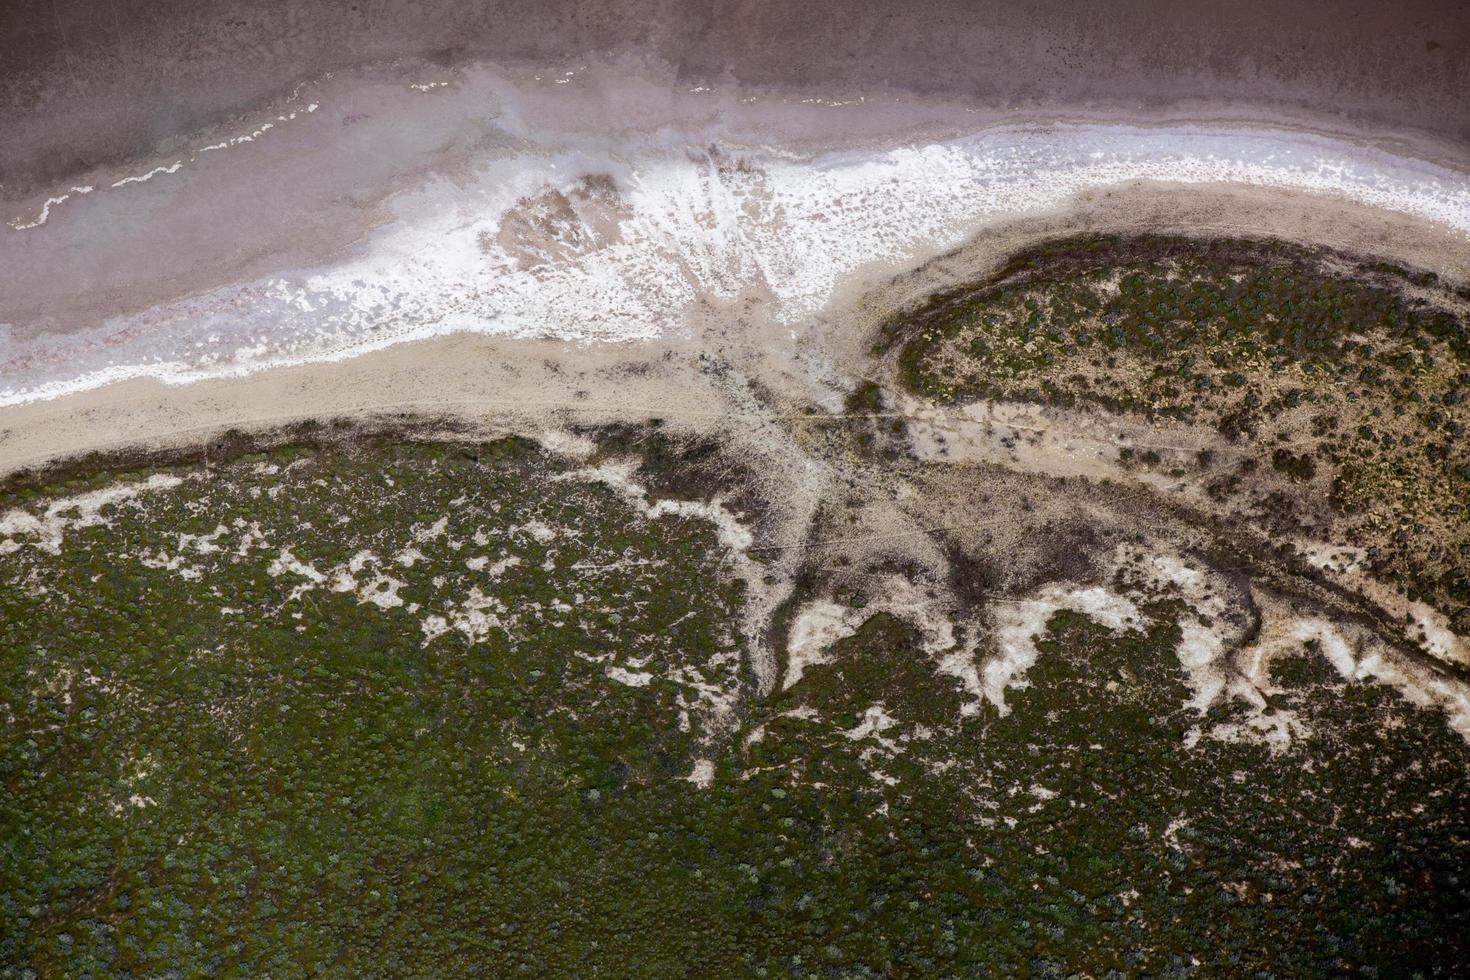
x,y
527,385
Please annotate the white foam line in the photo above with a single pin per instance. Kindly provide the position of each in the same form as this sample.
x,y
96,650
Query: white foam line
x,y
149,175
45,213
476,255
251,137
20,224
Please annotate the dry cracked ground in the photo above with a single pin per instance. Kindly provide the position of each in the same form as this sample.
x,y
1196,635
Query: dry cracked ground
x,y
1113,625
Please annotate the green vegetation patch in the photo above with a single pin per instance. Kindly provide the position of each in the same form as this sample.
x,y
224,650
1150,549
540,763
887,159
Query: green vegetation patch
x,y
1348,379
455,710
1079,835
215,763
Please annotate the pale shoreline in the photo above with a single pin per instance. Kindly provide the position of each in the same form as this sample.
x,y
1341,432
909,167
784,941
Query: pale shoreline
x,y
529,386
359,200
222,264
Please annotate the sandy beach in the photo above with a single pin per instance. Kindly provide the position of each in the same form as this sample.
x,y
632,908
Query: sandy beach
x,y
533,385
511,244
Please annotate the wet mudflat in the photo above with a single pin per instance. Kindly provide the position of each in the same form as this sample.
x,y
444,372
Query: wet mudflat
x,y
84,87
